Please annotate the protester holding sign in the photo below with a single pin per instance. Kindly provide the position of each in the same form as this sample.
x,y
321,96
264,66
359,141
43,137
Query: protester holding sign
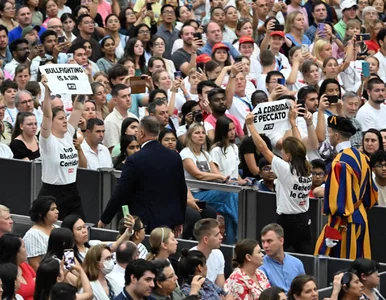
x,y
294,182
60,158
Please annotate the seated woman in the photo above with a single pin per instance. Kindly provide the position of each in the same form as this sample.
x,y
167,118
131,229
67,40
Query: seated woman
x,y
371,142
24,144
109,57
273,293
129,146
247,281
138,236
162,244
10,279
303,287
199,165
52,271
367,272
193,263
100,100
129,127
97,264
44,214
89,112
80,231
12,249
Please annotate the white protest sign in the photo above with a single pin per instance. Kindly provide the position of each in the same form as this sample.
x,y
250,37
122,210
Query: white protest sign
x,y
272,116
66,79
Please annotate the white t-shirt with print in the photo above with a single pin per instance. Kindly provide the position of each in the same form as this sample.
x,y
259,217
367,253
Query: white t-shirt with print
x,y
201,161
291,190
228,163
59,158
215,264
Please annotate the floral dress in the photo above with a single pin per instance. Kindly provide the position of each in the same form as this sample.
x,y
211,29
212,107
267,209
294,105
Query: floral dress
x,y
242,287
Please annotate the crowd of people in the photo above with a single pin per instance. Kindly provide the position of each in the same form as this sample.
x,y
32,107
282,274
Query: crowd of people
x,y
176,89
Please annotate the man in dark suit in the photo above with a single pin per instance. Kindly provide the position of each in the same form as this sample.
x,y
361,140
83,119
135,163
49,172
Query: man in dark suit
x,y
152,183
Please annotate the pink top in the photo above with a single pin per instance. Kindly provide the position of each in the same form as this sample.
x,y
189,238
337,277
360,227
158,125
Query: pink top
x,y
104,9
27,290
239,130
290,9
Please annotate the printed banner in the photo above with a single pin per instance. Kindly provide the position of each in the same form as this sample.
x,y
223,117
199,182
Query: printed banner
x,y
272,116
66,79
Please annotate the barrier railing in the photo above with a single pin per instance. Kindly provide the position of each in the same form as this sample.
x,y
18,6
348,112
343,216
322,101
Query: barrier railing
x,y
20,182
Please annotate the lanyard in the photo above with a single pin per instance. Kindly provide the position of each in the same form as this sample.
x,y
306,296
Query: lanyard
x,y
246,102
279,64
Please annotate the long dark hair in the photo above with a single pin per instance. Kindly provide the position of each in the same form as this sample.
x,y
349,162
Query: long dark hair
x,y
243,248
9,247
69,223
46,277
129,51
125,142
122,17
299,163
126,123
20,120
8,275
189,261
380,140
221,133
297,285
59,240
324,84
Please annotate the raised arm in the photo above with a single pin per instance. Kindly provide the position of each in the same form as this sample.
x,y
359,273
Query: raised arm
x,y
45,130
312,139
230,89
76,113
259,142
321,125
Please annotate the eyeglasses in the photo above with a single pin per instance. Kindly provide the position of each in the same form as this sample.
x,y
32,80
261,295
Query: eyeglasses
x,y
320,174
168,12
139,229
144,32
89,23
161,99
55,96
378,166
26,101
10,8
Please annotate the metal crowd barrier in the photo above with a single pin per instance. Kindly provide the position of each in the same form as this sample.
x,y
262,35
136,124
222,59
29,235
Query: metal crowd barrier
x,y
20,182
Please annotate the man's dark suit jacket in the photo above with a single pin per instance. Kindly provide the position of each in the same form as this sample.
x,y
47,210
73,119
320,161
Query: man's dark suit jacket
x,y
153,185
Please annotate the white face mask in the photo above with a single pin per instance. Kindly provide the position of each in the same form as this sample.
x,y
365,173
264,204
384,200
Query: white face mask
x,y
108,266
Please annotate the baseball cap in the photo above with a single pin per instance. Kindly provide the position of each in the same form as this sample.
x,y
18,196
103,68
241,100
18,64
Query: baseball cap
x,y
203,58
220,46
272,33
348,4
245,39
29,28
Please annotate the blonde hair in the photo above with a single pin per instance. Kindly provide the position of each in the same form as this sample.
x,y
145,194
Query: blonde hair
x,y
93,257
189,133
318,47
192,72
290,20
158,236
3,208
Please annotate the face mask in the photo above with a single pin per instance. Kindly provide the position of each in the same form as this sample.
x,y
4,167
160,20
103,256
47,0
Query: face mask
x,y
108,266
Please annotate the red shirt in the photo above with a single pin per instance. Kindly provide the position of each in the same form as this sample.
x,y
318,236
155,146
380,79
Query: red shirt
x,y
372,45
239,130
27,290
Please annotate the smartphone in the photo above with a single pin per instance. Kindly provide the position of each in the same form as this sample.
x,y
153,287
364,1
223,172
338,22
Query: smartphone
x,y
199,70
148,6
178,74
70,56
281,81
81,99
61,39
333,99
201,204
366,69
321,26
69,259
189,6
363,37
304,48
125,210
197,35
278,27
36,42
302,103
238,59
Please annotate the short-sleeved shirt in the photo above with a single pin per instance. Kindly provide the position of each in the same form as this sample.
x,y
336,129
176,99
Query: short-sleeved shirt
x,y
292,190
5,151
240,108
215,263
281,275
59,158
228,162
156,8
36,242
180,57
27,289
212,121
21,151
102,159
369,117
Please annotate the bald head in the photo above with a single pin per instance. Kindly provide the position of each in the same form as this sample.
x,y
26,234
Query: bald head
x,y
56,25
213,33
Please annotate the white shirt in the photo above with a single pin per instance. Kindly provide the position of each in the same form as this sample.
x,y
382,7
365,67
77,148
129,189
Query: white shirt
x,y
118,276
101,159
36,242
228,163
5,151
59,158
99,291
351,77
291,190
381,194
240,109
369,117
215,264
382,65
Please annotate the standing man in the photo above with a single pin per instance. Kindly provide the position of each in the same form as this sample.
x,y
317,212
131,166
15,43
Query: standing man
x,y
167,30
319,12
349,12
5,54
349,193
378,163
152,183
6,222
351,104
